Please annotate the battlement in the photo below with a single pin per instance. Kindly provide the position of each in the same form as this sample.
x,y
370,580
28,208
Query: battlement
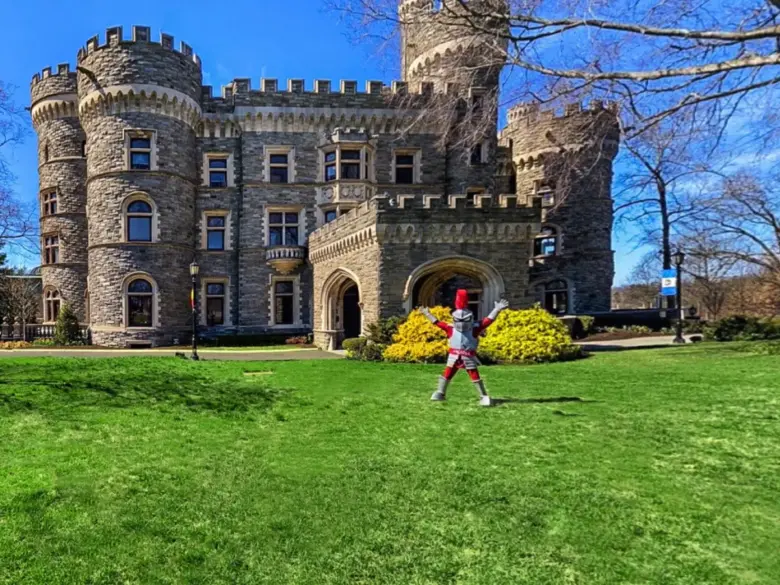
x,y
534,112
462,202
295,86
63,71
141,35
434,7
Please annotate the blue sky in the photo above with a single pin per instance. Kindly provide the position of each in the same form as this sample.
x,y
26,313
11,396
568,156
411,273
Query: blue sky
x,y
296,38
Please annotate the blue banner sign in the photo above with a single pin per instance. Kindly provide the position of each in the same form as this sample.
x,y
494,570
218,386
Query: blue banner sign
x,y
669,282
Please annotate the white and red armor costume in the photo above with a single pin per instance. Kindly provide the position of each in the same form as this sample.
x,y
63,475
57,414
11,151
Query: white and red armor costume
x,y
463,337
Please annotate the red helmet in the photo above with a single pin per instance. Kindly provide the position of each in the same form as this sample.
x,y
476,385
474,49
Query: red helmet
x,y
461,299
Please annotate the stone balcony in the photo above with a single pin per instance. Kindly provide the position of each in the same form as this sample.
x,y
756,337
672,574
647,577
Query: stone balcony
x,y
285,259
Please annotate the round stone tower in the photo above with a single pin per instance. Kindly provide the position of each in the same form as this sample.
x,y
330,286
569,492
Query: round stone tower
x,y
62,194
139,106
439,46
566,160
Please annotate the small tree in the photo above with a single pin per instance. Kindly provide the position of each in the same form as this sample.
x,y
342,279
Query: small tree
x,y
67,330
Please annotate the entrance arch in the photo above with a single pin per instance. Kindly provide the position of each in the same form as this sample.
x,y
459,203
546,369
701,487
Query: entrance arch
x,y
431,282
342,316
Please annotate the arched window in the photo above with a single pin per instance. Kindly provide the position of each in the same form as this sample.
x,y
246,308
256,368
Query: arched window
x,y
45,152
554,296
139,216
51,304
140,303
546,243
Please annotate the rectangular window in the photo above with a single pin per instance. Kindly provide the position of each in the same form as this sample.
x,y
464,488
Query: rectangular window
x,y
218,173
474,304
51,249
404,169
50,203
284,291
215,232
330,166
215,303
471,195
139,229
140,153
279,169
350,164
330,215
283,228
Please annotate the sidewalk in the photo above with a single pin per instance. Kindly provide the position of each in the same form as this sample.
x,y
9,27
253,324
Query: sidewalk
x,y
634,343
205,354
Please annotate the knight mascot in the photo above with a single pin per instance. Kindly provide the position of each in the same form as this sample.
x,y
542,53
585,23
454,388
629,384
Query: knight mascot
x,y
463,335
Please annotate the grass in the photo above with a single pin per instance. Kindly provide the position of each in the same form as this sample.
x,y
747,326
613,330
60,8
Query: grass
x,y
642,467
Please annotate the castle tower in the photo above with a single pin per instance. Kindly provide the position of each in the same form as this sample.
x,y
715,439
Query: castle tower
x,y
439,47
139,106
62,194
566,161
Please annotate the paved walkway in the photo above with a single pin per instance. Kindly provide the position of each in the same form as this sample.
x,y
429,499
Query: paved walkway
x,y
633,343
244,355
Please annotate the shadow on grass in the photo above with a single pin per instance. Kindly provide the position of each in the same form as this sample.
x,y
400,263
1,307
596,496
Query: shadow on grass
x,y
543,400
152,384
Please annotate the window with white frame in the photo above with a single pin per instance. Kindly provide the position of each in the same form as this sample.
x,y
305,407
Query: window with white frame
x,y
284,302
283,228
215,303
138,217
218,171
140,303
216,226
140,145
49,200
406,167
347,163
279,165
51,304
51,249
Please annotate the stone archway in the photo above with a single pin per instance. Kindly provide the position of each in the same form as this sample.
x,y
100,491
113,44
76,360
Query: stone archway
x,y
424,285
340,308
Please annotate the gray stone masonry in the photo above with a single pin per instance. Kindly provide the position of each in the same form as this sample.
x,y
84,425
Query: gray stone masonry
x,y
388,234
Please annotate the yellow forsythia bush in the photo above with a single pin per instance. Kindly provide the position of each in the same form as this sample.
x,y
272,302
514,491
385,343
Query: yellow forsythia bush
x,y
418,340
15,345
525,336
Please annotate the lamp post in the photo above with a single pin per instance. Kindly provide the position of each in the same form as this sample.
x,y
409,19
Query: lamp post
x,y
679,257
194,269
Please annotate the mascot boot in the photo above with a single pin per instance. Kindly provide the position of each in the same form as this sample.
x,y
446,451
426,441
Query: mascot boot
x,y
441,391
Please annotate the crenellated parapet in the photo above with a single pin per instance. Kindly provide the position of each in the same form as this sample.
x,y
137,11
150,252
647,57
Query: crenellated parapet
x,y
425,218
141,37
53,94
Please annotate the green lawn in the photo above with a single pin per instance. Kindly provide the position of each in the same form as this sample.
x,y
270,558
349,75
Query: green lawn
x,y
664,470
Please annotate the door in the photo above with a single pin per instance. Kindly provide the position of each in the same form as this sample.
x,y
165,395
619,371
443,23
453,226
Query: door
x,y
351,313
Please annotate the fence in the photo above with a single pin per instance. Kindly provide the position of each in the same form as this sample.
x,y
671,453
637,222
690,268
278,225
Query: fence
x,y
18,331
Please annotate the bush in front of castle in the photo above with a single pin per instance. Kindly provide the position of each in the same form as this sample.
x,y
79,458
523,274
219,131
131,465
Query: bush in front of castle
x,y
518,336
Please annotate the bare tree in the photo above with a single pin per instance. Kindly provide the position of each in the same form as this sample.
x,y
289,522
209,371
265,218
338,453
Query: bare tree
x,y
20,295
643,288
17,221
710,273
744,220
654,57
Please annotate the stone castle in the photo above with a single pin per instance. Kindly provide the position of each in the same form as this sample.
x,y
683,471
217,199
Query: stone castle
x,y
307,209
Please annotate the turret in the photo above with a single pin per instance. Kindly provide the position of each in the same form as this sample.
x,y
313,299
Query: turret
x,y
565,159
139,106
62,192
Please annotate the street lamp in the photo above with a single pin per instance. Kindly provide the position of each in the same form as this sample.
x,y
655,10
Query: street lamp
x,y
679,257
194,269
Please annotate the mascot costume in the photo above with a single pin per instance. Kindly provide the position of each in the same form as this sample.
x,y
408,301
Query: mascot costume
x,y
462,335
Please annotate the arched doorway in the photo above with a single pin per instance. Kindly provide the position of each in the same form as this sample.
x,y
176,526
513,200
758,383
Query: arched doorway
x,y
342,317
435,283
